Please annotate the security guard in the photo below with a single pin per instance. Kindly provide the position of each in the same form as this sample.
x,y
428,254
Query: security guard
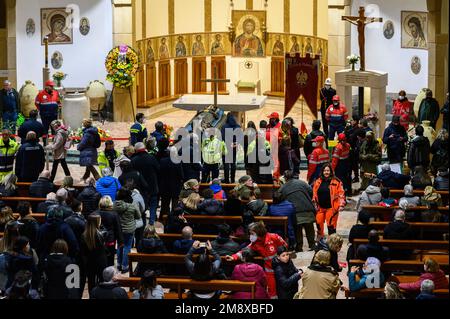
x,y
138,132
341,163
337,116
107,157
316,159
212,151
8,151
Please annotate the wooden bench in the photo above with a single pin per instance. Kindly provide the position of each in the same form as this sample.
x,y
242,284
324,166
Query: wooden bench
x,y
13,201
237,220
267,190
401,265
24,188
174,259
421,227
409,244
399,193
380,211
169,239
181,284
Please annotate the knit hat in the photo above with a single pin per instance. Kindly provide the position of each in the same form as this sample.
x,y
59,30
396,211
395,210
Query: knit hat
x,y
244,179
190,184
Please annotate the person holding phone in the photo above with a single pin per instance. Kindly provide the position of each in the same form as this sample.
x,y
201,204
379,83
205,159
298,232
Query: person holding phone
x,y
286,274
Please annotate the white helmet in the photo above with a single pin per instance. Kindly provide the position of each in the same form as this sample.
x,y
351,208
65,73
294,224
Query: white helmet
x,y
328,81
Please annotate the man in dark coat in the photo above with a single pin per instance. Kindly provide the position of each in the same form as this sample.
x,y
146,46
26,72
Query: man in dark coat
x,y
419,150
31,125
399,229
392,179
326,96
42,186
50,201
30,160
148,166
229,160
89,197
295,142
88,150
9,106
351,132
108,289
191,166
444,112
429,110
395,137
308,146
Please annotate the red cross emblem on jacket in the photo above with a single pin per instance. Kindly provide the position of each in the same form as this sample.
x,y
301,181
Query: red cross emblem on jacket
x,y
340,152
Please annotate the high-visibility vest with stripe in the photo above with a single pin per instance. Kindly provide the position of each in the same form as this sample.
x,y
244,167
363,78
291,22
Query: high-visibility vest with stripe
x,y
213,150
340,153
7,155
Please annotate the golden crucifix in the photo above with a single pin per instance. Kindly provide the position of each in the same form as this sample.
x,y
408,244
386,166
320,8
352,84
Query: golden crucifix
x,y
361,21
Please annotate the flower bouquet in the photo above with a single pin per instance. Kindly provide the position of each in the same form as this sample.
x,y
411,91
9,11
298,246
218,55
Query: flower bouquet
x,y
76,135
352,60
168,131
122,64
58,77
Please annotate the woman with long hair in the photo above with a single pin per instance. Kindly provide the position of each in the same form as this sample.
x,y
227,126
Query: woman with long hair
x,y
8,186
93,251
392,291
329,198
6,215
148,288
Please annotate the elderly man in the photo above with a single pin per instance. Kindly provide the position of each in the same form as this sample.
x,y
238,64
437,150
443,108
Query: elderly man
x,y
109,289
9,106
392,179
30,159
399,229
8,151
108,185
42,186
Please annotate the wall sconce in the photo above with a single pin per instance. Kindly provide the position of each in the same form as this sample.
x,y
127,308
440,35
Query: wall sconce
x,y
231,32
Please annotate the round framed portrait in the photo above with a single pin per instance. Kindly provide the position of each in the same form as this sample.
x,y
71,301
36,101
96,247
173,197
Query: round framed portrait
x,y
85,26
30,27
388,29
416,64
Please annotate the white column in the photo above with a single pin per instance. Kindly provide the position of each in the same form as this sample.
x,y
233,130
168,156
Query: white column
x,y
345,93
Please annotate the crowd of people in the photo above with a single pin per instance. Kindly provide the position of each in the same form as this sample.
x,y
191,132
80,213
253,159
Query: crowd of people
x,y
95,228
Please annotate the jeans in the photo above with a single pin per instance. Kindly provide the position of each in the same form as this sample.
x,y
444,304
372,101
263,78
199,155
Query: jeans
x,y
152,206
55,168
9,121
335,129
212,169
122,252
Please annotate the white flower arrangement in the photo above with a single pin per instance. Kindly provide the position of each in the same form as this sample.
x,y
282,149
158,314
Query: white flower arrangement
x,y
353,59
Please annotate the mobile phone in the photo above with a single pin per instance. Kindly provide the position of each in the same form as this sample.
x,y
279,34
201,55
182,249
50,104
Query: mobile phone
x,y
300,270
202,245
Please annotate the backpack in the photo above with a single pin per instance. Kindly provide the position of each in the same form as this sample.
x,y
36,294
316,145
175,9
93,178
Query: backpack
x,y
97,140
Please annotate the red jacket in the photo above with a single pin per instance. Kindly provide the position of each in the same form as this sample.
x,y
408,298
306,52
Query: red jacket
x,y
277,132
47,104
338,115
402,109
251,272
340,152
319,156
439,279
265,247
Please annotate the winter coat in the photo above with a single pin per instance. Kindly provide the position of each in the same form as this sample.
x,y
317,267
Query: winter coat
x,y
28,126
370,156
441,182
30,161
95,260
182,246
41,188
148,166
111,222
19,261
402,231
88,153
54,267
170,176
58,146
30,229
439,149
219,193
371,196
78,224
230,125
300,194
90,199
319,282
150,246
421,181
117,161
393,180
429,111
225,246
288,159
337,193
372,250
138,201
45,206
137,178
108,185
396,146
128,215
307,147
355,285
334,261
233,207
356,232
211,207
287,277
8,192
251,272
108,291
287,209
419,152
174,224
258,207
439,279
52,230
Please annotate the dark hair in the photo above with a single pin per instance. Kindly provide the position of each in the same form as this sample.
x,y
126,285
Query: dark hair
x,y
125,166
202,267
148,282
163,144
419,130
224,230
364,217
109,142
20,244
208,193
252,125
323,169
288,175
281,249
361,133
23,208
130,184
263,124
365,122
60,247
355,118
375,182
258,228
277,197
125,195
247,219
385,193
416,21
316,124
396,119
247,256
373,237
139,116
33,114
233,194
159,126
75,205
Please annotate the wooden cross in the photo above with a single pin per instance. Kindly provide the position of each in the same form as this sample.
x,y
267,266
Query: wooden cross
x,y
361,21
215,81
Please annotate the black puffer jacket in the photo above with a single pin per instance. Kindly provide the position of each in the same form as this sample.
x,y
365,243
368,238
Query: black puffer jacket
x,y
150,246
54,268
41,187
29,229
108,291
77,223
287,277
90,199
419,152
111,223
211,207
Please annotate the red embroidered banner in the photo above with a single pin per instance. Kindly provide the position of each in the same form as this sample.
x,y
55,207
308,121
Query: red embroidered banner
x,y
302,76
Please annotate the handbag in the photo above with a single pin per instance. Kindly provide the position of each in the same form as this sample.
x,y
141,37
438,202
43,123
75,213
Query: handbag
x,y
139,223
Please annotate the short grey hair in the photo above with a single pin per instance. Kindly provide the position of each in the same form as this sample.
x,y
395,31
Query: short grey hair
x,y
427,286
45,174
7,82
139,146
408,190
109,273
385,167
107,171
51,196
61,194
399,214
91,181
187,232
403,204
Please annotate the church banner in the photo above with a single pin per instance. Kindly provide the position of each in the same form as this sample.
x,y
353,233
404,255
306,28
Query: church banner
x,y
301,79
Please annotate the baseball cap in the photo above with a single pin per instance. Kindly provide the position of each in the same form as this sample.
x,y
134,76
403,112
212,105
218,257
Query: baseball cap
x,y
49,83
342,137
336,98
274,115
319,139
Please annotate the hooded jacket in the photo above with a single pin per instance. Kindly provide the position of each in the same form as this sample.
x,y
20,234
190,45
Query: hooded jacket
x,y
88,153
371,196
52,230
319,282
419,152
108,185
211,207
90,199
287,277
251,272
128,214
54,267
258,207
393,180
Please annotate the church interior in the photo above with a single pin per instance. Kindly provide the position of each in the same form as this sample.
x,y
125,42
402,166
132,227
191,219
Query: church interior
x,y
172,59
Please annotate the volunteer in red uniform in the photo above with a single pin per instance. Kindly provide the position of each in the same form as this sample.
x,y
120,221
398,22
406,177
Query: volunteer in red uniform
x,y
329,198
264,244
274,129
337,116
402,108
341,163
48,103
317,159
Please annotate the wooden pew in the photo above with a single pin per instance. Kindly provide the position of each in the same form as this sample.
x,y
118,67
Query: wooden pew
x,y
380,211
401,265
169,239
399,193
440,228
236,220
266,189
24,187
409,244
13,201
172,259
181,284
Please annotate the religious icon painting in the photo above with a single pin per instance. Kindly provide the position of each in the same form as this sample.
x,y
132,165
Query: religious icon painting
x,y
414,30
164,49
180,47
309,47
85,26
388,29
198,45
217,45
57,60
30,27
416,65
277,41
150,54
249,40
294,45
56,24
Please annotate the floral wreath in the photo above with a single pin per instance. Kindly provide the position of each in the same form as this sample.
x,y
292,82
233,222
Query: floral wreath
x,y
122,63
